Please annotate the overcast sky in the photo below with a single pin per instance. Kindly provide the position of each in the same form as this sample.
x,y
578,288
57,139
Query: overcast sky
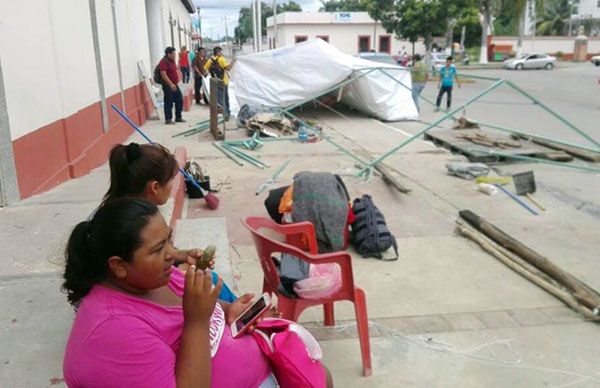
x,y
213,11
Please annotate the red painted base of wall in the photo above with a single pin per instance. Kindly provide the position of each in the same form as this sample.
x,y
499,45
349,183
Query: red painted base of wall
x,y
178,191
71,147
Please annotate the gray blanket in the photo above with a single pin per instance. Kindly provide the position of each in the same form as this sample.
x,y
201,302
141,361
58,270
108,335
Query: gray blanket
x,y
321,198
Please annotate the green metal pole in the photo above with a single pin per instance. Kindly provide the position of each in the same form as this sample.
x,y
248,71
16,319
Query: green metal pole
x,y
230,156
435,123
406,87
511,130
200,130
245,156
273,178
326,138
553,113
537,160
339,85
465,75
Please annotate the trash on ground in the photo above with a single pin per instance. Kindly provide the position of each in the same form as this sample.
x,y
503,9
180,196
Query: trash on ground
x,y
467,170
465,123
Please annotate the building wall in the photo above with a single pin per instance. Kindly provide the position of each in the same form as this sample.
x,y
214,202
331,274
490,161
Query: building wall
x,y
52,88
589,8
343,36
547,44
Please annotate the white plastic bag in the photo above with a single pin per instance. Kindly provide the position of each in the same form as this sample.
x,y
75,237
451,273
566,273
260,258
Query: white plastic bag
x,y
323,281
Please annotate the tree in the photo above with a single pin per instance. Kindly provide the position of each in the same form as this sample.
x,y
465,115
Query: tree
x,y
411,19
553,16
520,10
243,31
342,6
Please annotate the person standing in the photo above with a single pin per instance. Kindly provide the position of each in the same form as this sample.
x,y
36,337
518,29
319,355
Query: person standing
x,y
419,77
184,64
199,73
218,67
447,76
172,93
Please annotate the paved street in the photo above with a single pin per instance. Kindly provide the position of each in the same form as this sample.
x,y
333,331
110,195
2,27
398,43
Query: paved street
x,y
446,314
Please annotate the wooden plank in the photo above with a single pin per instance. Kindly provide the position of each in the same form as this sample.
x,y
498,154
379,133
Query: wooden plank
x,y
214,111
149,88
452,140
576,152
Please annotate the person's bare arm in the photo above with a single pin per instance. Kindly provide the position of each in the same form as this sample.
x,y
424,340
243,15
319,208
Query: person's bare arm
x,y
167,80
193,368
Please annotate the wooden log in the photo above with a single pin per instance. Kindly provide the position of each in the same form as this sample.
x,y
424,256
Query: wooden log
x,y
385,172
576,152
513,262
582,293
214,110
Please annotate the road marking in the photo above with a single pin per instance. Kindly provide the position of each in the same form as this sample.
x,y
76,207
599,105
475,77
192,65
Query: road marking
x,y
403,132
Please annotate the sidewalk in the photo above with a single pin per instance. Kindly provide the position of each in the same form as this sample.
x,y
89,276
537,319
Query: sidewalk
x,y
445,314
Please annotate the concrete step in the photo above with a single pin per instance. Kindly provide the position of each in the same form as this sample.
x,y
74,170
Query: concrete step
x,y
201,232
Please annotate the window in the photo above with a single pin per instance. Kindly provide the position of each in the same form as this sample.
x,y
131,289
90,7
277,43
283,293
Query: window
x,y
364,43
385,44
301,38
323,37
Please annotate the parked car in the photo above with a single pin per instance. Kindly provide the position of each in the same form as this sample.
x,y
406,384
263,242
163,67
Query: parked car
x,y
378,57
438,60
596,60
531,61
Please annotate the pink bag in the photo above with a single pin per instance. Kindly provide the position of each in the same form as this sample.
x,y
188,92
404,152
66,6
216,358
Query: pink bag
x,y
323,281
289,355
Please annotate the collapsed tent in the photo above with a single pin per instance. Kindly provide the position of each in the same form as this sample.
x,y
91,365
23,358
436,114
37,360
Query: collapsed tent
x,y
282,77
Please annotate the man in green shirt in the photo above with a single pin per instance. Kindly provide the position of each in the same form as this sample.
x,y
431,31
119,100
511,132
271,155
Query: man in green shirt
x,y
419,77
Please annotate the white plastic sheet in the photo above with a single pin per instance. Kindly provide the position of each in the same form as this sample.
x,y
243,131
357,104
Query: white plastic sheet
x,y
289,75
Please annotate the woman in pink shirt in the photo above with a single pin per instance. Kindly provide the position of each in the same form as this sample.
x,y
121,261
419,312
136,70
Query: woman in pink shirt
x,y
141,322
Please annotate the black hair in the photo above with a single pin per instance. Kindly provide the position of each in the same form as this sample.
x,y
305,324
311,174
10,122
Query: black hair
x,y
199,48
114,231
169,50
417,57
449,59
216,50
133,166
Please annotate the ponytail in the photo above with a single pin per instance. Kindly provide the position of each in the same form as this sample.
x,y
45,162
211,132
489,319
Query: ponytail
x,y
114,231
134,165
82,269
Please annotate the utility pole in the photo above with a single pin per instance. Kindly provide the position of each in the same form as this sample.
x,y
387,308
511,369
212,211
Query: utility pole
x,y
199,28
226,34
254,41
259,19
274,24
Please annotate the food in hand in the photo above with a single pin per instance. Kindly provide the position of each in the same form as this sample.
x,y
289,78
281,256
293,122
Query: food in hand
x,y
207,255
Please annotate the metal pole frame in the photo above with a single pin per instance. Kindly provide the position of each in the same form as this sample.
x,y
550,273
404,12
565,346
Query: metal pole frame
x,y
537,160
553,113
532,136
429,127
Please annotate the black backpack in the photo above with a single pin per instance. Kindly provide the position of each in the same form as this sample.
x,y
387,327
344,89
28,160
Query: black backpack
x,y
157,77
215,69
370,234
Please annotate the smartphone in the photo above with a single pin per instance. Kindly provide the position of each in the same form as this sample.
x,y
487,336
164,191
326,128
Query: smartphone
x,y
250,315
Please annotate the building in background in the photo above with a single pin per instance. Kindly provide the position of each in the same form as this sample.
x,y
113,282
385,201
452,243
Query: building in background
x,y
349,32
62,64
588,16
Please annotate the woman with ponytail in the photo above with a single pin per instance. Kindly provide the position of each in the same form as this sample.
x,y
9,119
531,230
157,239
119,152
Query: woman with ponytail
x,y
141,322
147,172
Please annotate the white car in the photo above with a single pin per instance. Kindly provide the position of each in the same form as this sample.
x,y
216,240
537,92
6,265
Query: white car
x,y
438,60
596,60
531,61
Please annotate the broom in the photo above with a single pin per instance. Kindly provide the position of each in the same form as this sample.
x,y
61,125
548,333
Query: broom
x,y
211,200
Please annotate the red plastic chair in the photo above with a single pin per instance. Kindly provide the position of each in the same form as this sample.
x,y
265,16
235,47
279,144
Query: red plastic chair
x,y
291,308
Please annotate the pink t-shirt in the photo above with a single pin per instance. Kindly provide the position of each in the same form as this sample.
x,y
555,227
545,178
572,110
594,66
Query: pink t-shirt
x,y
118,340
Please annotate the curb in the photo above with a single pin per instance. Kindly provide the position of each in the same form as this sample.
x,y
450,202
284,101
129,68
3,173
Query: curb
x,y
178,191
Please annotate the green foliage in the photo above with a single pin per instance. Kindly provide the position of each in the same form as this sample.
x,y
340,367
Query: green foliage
x,y
411,19
342,6
244,29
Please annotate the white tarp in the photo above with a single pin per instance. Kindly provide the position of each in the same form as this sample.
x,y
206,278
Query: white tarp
x,y
289,75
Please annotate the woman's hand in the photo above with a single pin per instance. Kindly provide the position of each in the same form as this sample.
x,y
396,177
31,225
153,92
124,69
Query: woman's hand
x,y
236,308
199,296
190,257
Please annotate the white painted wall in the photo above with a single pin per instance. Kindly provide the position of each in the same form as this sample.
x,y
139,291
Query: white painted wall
x,y
589,9
48,67
343,29
548,44
343,36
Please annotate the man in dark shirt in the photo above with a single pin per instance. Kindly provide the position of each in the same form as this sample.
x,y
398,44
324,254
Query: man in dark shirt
x,y
172,93
199,72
